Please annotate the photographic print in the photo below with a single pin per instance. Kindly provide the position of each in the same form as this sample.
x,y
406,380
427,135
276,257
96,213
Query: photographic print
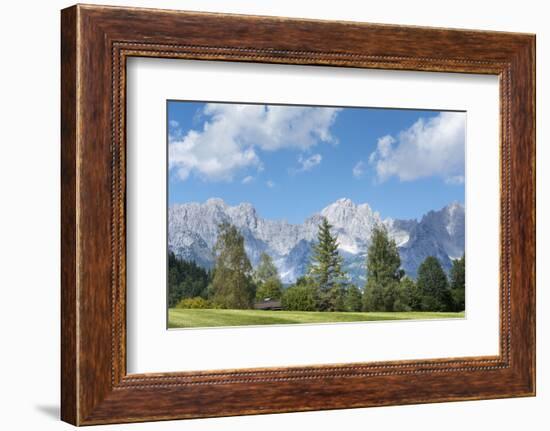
x,y
288,214
239,209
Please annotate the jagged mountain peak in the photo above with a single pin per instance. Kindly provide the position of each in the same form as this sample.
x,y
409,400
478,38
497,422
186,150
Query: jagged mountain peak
x,y
193,231
216,202
343,204
347,202
455,205
345,209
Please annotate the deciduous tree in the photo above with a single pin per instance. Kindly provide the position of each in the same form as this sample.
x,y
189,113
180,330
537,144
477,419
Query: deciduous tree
x,y
272,288
301,296
266,277
232,285
383,272
353,299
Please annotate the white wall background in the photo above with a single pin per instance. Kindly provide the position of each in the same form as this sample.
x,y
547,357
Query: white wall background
x,y
29,215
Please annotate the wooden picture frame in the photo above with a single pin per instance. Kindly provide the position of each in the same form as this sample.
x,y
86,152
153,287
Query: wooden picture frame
x,y
95,43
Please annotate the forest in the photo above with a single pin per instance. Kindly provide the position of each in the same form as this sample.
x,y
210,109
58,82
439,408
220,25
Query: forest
x,y
233,283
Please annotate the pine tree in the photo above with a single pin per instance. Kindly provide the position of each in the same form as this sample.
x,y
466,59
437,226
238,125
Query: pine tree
x,y
383,273
325,270
458,283
174,287
232,285
185,280
433,285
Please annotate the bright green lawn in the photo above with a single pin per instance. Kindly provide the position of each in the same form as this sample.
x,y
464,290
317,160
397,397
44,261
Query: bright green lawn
x,y
195,318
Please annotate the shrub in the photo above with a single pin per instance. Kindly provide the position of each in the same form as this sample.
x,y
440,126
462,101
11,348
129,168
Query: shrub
x,y
196,302
299,298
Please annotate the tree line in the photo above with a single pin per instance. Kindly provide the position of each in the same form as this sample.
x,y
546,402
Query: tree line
x,y
234,284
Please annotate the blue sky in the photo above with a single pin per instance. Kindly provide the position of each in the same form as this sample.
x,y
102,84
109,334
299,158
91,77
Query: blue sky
x,y
292,161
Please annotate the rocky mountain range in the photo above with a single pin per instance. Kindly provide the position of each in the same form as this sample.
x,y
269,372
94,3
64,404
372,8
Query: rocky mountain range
x,y
193,227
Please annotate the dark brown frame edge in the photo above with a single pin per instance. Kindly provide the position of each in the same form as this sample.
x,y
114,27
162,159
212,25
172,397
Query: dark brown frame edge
x,y
95,43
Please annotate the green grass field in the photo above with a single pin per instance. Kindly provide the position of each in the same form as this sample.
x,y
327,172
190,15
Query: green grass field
x,y
197,318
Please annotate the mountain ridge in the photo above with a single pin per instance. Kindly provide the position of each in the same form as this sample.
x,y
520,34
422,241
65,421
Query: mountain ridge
x,y
193,231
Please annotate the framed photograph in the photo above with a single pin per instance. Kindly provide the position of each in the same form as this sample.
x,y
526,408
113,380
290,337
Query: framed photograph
x,y
267,215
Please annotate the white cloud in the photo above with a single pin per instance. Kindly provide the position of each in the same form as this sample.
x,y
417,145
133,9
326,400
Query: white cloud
x,y
270,184
432,147
247,180
359,169
309,163
385,145
457,179
173,123
232,134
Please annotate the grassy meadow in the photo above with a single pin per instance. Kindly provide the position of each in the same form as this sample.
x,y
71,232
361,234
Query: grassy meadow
x,y
201,318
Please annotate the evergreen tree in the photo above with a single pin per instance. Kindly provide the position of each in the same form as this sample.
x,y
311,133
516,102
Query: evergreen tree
x,y
232,285
383,273
325,269
433,286
175,293
185,280
458,283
